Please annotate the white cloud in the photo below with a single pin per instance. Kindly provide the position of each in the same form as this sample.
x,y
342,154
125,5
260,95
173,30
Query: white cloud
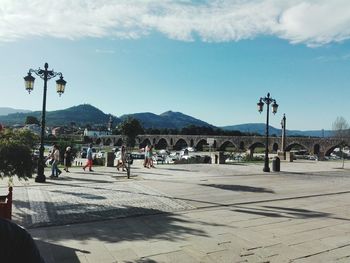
x,y
298,21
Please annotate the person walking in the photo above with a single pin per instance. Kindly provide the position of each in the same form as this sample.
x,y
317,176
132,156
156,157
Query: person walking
x,y
122,159
67,159
89,159
55,171
146,151
150,157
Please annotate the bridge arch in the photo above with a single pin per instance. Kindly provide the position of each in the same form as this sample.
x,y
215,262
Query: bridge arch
x,y
107,141
256,145
161,144
119,142
332,148
98,141
200,144
297,145
227,146
180,144
253,146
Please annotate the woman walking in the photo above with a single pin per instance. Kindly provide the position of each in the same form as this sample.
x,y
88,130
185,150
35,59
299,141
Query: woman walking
x,y
122,159
67,159
55,171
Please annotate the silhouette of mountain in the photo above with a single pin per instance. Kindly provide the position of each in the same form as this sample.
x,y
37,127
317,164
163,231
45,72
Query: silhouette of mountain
x,y
85,114
169,119
260,129
7,110
82,115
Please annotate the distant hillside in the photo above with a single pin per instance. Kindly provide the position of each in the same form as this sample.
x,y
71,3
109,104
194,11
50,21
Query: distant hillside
x,y
169,119
81,115
260,129
7,110
87,114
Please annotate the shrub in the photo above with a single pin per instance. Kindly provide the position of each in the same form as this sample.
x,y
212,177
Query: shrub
x,y
15,159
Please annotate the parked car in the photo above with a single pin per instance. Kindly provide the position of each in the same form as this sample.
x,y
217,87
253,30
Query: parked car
x,y
313,158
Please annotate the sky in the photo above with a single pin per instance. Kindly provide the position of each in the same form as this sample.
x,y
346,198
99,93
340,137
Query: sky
x,y
212,60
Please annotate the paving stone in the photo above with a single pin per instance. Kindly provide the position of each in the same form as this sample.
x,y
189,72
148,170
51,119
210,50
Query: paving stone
x,y
166,215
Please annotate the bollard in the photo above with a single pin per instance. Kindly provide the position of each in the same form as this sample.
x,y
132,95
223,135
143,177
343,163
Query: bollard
x,y
276,164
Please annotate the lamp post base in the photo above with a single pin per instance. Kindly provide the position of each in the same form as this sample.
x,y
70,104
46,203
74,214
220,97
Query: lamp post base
x,y
40,179
266,169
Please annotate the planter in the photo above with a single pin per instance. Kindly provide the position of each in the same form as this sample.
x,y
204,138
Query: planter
x,y
6,205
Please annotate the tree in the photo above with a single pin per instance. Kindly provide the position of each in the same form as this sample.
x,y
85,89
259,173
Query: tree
x,y
130,127
32,120
16,153
341,131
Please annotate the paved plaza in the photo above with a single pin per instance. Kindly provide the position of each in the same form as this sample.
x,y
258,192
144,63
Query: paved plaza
x,y
190,213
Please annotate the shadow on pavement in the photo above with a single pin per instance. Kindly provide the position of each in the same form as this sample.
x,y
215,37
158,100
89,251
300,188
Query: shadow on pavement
x,y
53,253
276,211
81,195
141,226
240,188
142,261
177,169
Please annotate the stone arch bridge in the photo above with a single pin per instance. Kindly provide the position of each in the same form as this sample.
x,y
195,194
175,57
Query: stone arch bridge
x,y
315,145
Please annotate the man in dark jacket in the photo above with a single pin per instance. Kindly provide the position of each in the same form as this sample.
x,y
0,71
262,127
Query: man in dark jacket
x,y
17,245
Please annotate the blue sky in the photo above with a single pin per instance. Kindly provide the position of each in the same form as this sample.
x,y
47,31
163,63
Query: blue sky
x,y
209,59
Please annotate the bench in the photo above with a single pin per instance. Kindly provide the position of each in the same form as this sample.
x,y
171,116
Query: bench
x,y
6,205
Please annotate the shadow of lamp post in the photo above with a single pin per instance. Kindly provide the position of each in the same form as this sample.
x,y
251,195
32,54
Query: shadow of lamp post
x,y
267,100
46,75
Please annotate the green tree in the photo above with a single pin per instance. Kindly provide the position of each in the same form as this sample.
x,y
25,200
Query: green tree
x,y
130,127
32,120
341,131
24,137
16,152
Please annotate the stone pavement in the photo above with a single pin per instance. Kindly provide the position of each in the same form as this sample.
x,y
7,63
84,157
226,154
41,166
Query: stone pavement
x,y
191,213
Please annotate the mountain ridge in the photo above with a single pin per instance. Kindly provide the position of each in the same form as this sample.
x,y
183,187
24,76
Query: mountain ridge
x,y
7,110
260,129
85,114
168,119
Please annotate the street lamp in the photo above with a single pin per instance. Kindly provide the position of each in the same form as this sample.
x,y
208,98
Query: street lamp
x,y
267,100
46,75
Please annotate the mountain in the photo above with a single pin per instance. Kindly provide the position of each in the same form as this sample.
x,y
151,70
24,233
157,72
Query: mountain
x,y
81,115
252,128
260,129
169,119
7,110
87,114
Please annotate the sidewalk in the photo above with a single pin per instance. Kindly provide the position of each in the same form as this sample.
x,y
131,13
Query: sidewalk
x,y
191,213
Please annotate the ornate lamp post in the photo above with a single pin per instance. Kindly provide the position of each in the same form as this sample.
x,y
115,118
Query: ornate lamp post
x,y
267,100
46,75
